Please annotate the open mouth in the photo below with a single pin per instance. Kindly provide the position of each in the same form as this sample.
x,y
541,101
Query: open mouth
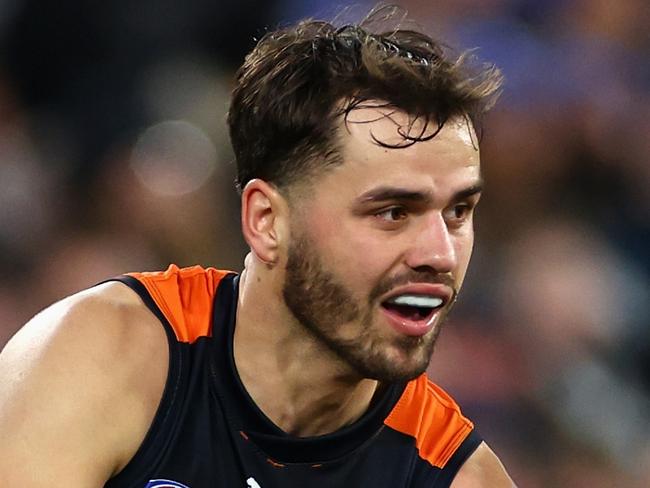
x,y
413,307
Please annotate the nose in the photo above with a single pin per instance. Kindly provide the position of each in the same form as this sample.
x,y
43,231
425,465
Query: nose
x,y
433,246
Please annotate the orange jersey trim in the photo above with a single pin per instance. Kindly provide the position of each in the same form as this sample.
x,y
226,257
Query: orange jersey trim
x,y
184,296
429,415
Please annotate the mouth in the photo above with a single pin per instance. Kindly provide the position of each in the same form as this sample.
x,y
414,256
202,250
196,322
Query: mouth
x,y
413,307
412,310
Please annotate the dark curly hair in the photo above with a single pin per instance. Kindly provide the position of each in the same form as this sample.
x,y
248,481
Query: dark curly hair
x,y
298,82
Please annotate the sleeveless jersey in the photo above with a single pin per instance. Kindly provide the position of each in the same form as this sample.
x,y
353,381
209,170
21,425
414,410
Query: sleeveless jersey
x,y
208,432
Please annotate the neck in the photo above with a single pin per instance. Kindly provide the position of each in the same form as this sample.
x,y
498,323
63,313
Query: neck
x,y
295,380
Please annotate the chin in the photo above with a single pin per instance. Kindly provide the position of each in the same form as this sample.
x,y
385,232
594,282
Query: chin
x,y
395,375
395,363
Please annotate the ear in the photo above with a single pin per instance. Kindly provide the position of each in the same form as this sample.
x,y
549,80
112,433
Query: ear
x,y
263,210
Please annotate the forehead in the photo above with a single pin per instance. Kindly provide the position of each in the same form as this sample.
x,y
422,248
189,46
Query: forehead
x,y
376,150
393,127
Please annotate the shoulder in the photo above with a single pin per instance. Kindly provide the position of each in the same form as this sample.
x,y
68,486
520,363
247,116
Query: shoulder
x,y
82,379
483,469
184,296
428,414
93,326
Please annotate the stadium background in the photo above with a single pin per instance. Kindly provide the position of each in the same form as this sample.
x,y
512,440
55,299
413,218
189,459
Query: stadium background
x,y
114,157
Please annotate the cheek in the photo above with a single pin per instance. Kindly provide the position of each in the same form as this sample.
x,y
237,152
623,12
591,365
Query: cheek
x,y
357,257
463,246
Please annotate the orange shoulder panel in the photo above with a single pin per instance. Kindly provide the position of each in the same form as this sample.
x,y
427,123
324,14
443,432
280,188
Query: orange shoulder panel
x,y
185,296
429,415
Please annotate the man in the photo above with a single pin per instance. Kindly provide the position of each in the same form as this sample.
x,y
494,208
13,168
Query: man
x,y
359,173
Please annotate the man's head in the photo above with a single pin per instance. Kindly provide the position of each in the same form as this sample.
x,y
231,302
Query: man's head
x,y
359,166
297,84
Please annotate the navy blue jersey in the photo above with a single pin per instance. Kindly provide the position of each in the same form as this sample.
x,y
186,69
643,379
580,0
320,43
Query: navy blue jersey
x,y
208,432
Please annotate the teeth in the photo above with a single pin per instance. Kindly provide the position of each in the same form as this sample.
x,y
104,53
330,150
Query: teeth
x,y
417,301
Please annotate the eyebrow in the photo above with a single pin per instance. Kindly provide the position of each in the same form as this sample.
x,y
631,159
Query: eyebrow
x,y
468,192
386,193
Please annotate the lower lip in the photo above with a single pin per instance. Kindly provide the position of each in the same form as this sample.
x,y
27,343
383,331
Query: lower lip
x,y
407,326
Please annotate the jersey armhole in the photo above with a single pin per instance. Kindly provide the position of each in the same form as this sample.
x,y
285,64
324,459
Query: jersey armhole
x,y
456,461
150,449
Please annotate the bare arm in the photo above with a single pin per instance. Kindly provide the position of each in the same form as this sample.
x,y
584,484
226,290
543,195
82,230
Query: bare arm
x,y
483,469
79,386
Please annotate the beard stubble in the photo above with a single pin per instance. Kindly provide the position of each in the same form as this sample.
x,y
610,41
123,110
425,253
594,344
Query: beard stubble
x,y
322,303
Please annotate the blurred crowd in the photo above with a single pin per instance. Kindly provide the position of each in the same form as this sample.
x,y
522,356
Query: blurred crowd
x,y
114,157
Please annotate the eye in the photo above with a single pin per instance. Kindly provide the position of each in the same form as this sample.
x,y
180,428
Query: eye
x,y
392,214
459,213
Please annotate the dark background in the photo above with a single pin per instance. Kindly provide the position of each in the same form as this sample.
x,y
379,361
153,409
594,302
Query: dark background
x,y
114,157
